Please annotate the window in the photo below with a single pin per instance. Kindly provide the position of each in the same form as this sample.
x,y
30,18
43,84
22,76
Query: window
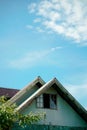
x,y
40,101
47,101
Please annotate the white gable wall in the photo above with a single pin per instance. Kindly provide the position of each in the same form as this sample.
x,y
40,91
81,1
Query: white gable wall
x,y
63,116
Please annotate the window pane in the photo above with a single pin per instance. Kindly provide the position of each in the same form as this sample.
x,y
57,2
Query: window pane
x,y
38,105
41,105
41,100
37,99
53,102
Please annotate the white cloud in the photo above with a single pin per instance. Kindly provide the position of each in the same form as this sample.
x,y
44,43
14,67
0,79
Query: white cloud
x,y
56,28
37,20
64,17
31,59
29,26
27,60
31,7
39,29
56,48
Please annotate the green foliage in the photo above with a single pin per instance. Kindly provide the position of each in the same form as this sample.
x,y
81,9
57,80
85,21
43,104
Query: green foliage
x,y
9,116
29,119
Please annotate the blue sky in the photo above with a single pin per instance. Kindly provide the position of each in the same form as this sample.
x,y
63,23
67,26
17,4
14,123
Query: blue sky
x,y
46,38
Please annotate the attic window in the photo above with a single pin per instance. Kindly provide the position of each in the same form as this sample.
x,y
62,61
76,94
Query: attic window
x,y
47,101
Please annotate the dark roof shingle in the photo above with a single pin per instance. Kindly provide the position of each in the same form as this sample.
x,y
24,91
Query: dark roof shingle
x,y
8,92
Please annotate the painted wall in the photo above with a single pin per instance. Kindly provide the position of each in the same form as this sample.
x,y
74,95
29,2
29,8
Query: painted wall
x,y
63,116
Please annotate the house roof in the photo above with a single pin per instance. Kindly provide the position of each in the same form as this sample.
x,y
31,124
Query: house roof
x,y
36,82
8,92
42,88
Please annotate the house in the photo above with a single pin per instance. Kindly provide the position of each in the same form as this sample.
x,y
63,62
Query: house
x,y
8,92
61,108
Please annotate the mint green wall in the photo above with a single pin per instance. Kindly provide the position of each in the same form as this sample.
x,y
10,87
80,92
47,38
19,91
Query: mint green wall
x,y
64,115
